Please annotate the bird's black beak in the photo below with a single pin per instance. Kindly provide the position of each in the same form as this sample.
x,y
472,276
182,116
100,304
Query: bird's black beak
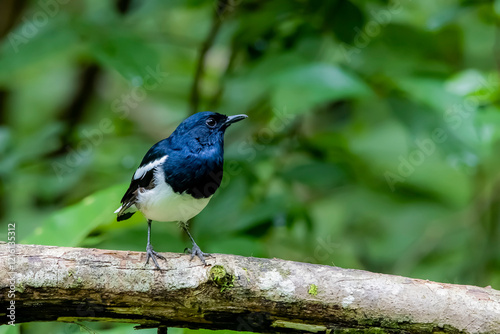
x,y
233,119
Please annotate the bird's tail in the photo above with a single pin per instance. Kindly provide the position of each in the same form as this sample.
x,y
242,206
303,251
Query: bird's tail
x,y
124,212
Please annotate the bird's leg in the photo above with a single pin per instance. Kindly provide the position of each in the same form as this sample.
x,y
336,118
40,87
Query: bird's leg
x,y
195,250
150,253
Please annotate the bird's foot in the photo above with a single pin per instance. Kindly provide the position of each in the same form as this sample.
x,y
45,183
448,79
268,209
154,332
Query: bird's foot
x,y
196,251
150,253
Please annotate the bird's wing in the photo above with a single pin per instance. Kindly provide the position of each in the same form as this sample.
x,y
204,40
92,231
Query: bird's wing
x,y
143,179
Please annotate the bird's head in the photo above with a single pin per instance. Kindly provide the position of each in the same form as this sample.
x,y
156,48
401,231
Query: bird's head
x,y
204,129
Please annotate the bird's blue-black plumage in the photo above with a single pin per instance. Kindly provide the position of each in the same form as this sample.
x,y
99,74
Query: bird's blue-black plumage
x,y
194,163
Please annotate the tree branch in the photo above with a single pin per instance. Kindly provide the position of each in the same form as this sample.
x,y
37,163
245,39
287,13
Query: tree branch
x,y
232,292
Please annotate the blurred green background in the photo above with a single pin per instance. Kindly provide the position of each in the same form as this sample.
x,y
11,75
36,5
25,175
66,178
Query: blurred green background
x,y
372,139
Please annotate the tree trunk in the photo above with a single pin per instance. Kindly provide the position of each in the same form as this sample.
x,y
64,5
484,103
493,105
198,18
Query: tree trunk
x,y
232,292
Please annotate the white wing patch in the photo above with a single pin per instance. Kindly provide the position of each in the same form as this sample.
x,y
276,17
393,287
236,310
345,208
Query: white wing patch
x,y
118,210
141,171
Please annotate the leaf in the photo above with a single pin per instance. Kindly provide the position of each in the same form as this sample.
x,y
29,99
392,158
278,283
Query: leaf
x,y
10,329
124,52
23,48
316,174
345,19
303,88
69,226
430,92
268,210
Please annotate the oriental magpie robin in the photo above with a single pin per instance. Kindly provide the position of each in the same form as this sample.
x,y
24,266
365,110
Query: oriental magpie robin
x,y
178,175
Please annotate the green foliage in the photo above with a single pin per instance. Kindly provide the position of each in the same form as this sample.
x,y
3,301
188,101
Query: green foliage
x,y
71,225
372,140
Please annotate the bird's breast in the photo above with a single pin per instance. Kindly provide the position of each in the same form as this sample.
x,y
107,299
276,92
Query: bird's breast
x,y
162,203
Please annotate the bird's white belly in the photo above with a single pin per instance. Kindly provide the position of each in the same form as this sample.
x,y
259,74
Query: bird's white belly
x,y
163,204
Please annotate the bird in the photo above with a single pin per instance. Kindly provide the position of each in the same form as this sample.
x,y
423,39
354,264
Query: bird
x,y
178,176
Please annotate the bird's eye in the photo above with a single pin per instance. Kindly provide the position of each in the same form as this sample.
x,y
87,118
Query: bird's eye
x,y
211,123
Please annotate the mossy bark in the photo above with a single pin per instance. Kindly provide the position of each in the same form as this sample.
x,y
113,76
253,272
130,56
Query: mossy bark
x,y
234,292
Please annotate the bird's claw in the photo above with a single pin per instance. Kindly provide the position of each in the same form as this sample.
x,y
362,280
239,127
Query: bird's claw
x,y
196,251
150,253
